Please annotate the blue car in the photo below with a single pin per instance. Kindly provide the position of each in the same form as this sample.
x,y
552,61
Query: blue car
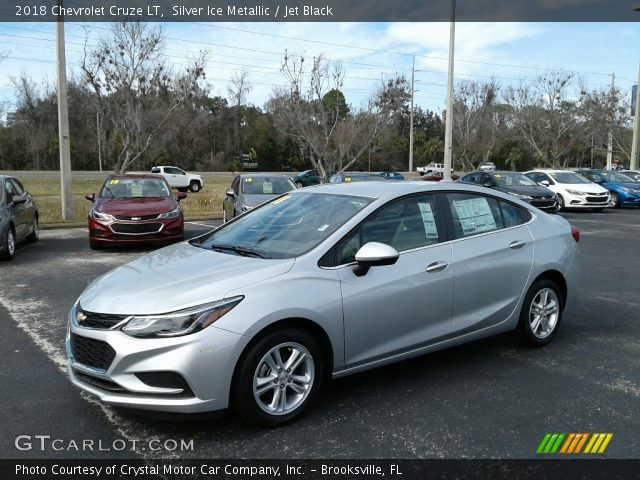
x,y
624,189
391,175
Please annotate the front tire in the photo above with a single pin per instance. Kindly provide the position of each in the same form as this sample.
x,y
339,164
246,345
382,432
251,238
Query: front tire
x,y
540,315
195,186
559,203
615,200
278,377
299,185
10,245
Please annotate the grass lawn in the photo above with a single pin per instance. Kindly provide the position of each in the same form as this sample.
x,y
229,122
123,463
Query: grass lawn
x,y
45,188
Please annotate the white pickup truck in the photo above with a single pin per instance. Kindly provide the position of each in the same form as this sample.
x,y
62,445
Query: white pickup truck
x,y
180,179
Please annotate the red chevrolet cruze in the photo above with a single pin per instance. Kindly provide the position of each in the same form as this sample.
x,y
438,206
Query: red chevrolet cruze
x,y
135,209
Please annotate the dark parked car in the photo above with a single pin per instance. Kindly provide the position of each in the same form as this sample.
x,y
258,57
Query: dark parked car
x,y
624,190
436,177
515,184
18,216
352,177
135,209
250,190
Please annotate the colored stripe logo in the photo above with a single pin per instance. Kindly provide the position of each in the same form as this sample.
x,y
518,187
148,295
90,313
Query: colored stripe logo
x,y
568,443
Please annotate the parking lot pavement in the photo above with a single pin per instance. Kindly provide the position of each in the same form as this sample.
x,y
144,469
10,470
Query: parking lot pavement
x,y
486,399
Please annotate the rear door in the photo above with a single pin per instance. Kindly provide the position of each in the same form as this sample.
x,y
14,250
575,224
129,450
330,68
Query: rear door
x,y
492,250
401,307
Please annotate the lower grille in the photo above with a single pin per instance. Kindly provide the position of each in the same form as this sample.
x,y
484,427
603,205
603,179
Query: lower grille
x,y
91,352
99,382
136,228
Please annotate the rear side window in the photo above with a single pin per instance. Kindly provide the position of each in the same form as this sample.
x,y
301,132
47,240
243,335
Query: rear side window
x,y
513,215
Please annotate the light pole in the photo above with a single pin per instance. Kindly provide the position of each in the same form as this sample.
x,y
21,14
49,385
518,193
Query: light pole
x,y
448,135
633,164
413,83
63,124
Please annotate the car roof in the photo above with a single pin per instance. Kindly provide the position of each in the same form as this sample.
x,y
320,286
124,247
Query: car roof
x,y
549,170
267,175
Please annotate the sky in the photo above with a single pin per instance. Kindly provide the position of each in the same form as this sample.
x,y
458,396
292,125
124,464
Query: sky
x,y
369,52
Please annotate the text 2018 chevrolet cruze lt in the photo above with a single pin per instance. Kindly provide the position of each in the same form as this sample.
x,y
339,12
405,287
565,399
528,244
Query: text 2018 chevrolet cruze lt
x,y
319,283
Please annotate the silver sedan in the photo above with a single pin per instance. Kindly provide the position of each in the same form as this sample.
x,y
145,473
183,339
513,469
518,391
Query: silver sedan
x,y
317,284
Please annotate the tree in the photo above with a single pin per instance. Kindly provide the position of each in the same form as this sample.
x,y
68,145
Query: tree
x,y
238,89
331,136
547,120
136,90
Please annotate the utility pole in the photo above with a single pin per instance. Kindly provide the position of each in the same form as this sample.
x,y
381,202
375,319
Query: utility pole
x,y
66,195
448,136
413,84
98,130
610,143
633,164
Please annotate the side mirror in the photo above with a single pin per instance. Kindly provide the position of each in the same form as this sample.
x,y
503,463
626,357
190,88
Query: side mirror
x,y
544,183
181,196
374,254
91,197
18,200
230,193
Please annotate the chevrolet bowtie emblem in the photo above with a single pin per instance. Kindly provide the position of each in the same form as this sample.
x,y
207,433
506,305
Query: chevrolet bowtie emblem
x,y
135,218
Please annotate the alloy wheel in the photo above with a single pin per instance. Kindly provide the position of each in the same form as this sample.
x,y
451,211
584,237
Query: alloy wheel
x,y
544,313
284,378
11,243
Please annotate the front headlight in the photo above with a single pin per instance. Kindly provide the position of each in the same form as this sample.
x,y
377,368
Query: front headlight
x,y
175,213
526,198
105,217
179,323
576,192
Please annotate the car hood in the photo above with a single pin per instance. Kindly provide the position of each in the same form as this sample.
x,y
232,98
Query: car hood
x,y
584,187
174,278
536,190
135,206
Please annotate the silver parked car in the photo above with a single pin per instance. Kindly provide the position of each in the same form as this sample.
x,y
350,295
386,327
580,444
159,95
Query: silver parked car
x,y
250,190
320,282
18,216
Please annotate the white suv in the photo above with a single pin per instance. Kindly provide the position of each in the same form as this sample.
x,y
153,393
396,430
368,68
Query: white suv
x,y
572,189
431,168
180,179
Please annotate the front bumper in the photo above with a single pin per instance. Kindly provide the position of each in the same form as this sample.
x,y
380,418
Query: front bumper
x,y
629,198
204,361
602,200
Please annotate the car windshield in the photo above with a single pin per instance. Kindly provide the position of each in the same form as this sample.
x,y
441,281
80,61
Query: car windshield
x,y
569,178
266,185
134,188
513,179
361,178
286,227
618,177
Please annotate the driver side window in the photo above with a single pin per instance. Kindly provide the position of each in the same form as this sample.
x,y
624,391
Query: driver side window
x,y
405,225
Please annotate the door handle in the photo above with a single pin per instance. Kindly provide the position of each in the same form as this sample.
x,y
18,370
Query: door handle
x,y
517,244
436,267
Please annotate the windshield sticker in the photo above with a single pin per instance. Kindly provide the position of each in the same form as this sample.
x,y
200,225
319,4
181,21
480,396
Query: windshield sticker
x,y
267,187
323,228
498,176
428,220
347,179
605,174
248,180
475,215
552,174
280,200
114,182
136,190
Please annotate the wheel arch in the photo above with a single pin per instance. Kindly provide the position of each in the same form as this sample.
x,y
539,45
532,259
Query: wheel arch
x,y
556,277
304,324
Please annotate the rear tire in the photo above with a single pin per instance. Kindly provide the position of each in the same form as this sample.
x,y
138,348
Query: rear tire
x,y
540,315
34,236
265,390
9,245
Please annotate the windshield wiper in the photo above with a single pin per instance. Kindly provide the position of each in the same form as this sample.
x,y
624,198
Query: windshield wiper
x,y
245,252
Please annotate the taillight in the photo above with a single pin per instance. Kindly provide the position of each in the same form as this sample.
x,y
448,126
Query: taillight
x,y
575,233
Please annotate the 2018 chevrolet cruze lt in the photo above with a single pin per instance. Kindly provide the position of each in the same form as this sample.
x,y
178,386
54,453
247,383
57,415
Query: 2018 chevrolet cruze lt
x,y
319,283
